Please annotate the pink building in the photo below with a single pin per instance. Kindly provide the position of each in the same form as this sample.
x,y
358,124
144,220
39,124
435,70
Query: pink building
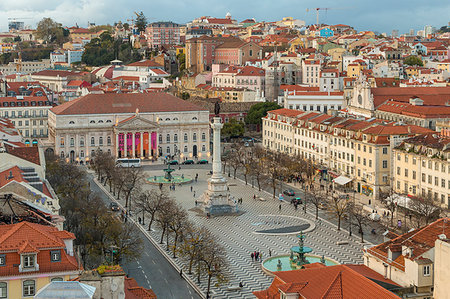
x,y
163,33
237,52
247,77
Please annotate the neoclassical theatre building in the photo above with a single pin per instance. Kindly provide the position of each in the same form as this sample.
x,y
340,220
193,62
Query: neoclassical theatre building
x,y
138,125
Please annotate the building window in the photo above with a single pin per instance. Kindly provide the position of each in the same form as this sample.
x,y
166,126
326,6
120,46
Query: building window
x,y
57,279
168,138
426,270
55,255
175,138
62,141
108,140
29,288
168,150
185,149
92,141
385,164
81,141
28,261
160,138
2,260
185,137
203,148
100,141
3,290
72,142
194,137
203,137
62,154
82,154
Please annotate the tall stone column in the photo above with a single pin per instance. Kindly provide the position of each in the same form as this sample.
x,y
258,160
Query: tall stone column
x,y
217,163
125,145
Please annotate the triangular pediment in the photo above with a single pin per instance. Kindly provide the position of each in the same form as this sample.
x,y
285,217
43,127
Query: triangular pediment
x,y
136,122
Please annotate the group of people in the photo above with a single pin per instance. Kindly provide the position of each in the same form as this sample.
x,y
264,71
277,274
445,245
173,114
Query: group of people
x,y
239,201
256,256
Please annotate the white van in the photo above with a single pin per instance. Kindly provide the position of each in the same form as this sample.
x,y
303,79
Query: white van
x,y
128,162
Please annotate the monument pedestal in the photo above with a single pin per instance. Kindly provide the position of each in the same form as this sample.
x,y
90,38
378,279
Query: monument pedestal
x,y
217,199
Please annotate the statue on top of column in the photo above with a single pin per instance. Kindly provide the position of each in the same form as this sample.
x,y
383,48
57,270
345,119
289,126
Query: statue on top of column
x,y
217,108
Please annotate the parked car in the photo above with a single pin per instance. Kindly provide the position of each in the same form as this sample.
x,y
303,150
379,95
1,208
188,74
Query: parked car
x,y
202,161
188,162
173,162
114,207
289,192
297,200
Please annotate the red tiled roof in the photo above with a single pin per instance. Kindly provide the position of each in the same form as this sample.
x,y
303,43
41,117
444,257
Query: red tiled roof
x,y
134,291
29,237
415,111
55,73
419,240
338,281
287,112
159,72
432,96
124,103
30,154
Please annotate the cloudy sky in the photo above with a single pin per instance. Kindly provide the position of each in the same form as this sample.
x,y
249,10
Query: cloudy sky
x,y
380,15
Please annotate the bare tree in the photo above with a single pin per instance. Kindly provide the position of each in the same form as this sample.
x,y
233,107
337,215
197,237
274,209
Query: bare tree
x,y
236,158
151,202
214,263
164,216
358,218
133,178
193,243
177,224
338,206
389,204
425,209
257,171
275,167
316,199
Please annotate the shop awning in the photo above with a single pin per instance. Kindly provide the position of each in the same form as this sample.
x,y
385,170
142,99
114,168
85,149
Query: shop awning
x,y
342,180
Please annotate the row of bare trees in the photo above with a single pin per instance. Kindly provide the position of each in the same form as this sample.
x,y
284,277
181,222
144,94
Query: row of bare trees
x,y
196,245
264,166
203,254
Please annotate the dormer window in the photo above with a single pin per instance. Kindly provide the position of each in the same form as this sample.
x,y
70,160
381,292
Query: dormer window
x,y
2,260
28,260
55,255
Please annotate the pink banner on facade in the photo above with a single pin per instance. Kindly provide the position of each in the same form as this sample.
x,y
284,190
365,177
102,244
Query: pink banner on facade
x,y
121,141
129,141
146,147
154,145
137,142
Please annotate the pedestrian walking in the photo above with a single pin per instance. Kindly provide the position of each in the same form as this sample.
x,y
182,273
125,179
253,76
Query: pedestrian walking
x,y
252,255
260,256
139,220
181,273
196,203
270,253
257,255
279,207
191,188
194,194
254,196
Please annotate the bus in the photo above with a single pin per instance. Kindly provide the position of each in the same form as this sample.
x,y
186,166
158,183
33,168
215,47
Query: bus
x,y
128,162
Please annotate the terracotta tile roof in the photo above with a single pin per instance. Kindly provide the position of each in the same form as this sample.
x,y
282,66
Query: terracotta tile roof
x,y
432,140
251,71
26,237
416,111
331,282
124,103
432,96
134,291
159,72
419,240
30,154
55,73
38,100
286,112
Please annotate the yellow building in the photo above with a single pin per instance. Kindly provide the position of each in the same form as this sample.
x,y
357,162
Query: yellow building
x,y
354,69
444,65
33,255
441,267
422,168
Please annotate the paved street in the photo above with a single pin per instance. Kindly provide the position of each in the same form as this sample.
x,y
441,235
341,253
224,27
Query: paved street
x,y
237,233
152,270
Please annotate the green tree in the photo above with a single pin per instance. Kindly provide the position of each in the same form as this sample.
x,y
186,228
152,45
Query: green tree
x,y
258,111
141,21
413,60
51,32
233,128
181,61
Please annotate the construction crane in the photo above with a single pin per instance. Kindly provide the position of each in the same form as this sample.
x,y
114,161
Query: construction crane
x,y
317,9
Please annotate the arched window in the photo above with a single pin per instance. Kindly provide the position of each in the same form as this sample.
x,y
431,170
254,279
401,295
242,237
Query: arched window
x,y
109,151
29,288
92,141
62,141
168,138
203,148
194,118
100,121
72,142
167,119
203,137
82,141
3,290
175,137
82,154
109,140
185,137
92,122
194,137
108,121
71,122
168,150
185,149
160,138
100,141
62,154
